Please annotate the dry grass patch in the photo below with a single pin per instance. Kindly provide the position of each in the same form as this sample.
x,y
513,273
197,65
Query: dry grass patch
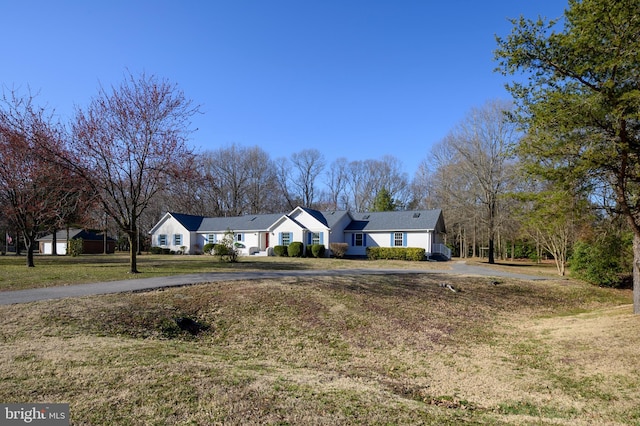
x,y
331,350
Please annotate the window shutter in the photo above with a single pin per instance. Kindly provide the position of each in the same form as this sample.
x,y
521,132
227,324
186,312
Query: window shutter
x,y
279,238
322,238
309,234
290,237
353,239
364,240
404,239
392,242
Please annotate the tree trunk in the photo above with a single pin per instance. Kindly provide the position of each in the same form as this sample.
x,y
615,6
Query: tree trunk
x,y
133,253
491,248
30,245
492,231
54,243
636,273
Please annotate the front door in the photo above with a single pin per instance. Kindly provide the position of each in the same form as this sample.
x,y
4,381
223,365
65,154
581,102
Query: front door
x,y
266,240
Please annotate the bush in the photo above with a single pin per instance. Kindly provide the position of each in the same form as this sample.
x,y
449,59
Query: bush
x,y
339,249
396,253
156,250
208,248
607,262
295,249
220,250
75,247
280,251
318,250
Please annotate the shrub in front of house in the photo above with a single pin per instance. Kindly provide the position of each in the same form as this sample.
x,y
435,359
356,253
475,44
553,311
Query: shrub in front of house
x,y
339,249
76,246
280,251
208,248
317,250
156,250
396,253
295,249
220,250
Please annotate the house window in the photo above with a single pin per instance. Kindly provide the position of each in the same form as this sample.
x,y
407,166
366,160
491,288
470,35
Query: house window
x,y
239,237
358,240
211,238
286,238
162,239
177,239
315,238
398,239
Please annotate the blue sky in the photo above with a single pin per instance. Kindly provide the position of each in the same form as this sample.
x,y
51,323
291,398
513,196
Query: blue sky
x,y
352,78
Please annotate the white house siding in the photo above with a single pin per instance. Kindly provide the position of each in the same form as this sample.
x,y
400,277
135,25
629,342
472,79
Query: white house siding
x,y
297,234
170,228
337,234
420,240
353,250
251,240
386,239
300,224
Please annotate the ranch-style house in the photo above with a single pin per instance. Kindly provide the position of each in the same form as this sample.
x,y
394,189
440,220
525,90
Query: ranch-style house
x,y
257,234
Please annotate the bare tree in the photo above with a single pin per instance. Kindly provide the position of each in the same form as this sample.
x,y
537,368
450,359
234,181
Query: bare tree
x,y
131,140
369,177
358,184
421,187
243,179
230,172
283,176
336,181
263,195
192,195
307,164
451,191
482,141
389,176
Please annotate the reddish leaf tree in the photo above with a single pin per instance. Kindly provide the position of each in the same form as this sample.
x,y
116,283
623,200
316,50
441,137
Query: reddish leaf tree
x,y
33,186
128,143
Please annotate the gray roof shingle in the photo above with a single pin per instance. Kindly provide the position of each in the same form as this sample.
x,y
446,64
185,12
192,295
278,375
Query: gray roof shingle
x,y
364,222
410,220
252,222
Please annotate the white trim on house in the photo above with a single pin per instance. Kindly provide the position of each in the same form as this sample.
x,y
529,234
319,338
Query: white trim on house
x,y
258,233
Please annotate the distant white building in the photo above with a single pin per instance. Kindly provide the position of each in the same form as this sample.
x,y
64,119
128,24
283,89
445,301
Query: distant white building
x,y
255,234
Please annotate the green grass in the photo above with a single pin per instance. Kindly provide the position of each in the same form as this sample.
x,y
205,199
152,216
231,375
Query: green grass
x,y
329,350
67,270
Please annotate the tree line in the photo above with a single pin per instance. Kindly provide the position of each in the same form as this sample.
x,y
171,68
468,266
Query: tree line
x,y
555,167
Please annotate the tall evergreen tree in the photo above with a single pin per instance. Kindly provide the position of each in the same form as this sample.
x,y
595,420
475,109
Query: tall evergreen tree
x,y
580,101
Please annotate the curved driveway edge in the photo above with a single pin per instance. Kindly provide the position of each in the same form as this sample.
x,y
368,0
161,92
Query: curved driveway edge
x,y
143,284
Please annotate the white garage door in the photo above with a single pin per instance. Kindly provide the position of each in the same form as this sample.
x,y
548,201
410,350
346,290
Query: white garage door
x,y
61,248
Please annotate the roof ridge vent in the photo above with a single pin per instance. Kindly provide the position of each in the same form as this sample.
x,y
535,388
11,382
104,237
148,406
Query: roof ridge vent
x,y
416,215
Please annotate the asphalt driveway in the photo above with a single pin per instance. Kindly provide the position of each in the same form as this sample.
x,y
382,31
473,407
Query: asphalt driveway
x,y
143,284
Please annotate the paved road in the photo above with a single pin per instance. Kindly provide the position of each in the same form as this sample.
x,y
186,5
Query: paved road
x,y
141,284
